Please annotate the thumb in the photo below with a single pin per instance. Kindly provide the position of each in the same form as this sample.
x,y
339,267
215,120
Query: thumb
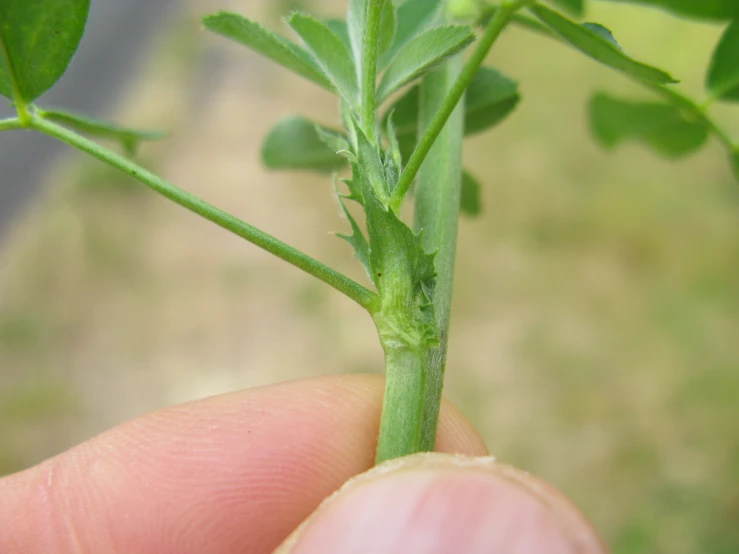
x,y
444,504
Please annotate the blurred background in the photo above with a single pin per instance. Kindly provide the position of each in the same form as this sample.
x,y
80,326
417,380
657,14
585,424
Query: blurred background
x,y
595,333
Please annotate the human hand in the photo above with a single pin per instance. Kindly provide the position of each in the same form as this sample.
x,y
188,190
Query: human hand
x,y
239,472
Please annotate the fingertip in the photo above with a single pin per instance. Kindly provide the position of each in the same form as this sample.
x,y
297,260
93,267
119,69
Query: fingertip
x,y
236,472
440,504
456,434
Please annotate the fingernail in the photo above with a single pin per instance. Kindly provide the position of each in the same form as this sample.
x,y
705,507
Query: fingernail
x,y
441,504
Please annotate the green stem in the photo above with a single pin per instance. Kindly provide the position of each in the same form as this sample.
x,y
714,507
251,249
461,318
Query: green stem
x,y
369,67
498,23
10,124
718,94
402,405
353,290
681,101
21,106
437,214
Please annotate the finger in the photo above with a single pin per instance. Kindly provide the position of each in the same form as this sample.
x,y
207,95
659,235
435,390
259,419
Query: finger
x,y
441,504
235,473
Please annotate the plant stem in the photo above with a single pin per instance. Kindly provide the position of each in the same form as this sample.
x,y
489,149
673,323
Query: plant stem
x,y
369,67
497,24
402,404
11,123
437,214
353,290
681,101
21,106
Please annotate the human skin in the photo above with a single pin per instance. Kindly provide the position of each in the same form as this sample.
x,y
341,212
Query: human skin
x,y
240,472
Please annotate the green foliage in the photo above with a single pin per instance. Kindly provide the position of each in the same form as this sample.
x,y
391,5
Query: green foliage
x,y
357,240
575,7
257,38
662,127
355,28
470,203
413,17
723,74
373,171
597,42
37,41
422,54
128,138
330,53
388,27
490,98
296,143
701,9
405,121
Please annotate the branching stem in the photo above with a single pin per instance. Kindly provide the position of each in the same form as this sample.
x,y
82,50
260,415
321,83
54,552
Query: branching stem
x,y
10,124
696,111
353,290
498,23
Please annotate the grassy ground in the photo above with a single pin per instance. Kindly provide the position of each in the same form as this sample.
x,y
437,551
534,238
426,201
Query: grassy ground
x,y
597,302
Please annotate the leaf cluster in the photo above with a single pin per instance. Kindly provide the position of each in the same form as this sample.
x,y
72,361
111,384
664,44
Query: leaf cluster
x,y
38,39
372,61
411,45
672,125
411,42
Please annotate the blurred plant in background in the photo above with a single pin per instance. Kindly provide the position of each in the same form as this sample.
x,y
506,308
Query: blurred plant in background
x,y
602,356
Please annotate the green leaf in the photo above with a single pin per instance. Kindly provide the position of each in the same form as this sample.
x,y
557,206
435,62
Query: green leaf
x,y
129,138
394,146
699,9
422,54
470,204
592,40
405,115
491,97
413,17
355,25
723,74
372,168
334,140
268,44
662,127
38,39
575,7
330,53
296,143
357,240
339,28
388,27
